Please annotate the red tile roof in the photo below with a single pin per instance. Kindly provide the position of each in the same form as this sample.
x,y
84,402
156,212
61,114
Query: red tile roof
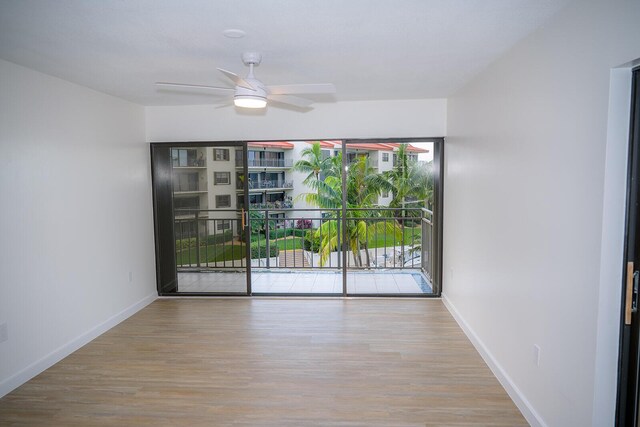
x,y
410,147
370,146
272,144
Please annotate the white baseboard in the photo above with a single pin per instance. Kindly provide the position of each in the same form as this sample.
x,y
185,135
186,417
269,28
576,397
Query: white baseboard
x,y
63,351
529,413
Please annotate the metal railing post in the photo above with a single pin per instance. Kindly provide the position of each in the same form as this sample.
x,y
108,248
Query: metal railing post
x,y
266,228
197,238
339,245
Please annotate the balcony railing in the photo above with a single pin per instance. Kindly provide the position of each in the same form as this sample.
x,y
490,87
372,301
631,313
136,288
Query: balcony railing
x,y
283,204
269,184
387,239
373,163
266,163
189,187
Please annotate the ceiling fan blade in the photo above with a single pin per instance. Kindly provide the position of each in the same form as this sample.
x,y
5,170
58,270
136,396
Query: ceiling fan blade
x,y
317,88
291,100
236,79
190,86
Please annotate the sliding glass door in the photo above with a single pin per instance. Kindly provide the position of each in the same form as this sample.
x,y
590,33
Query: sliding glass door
x,y
390,194
296,229
330,217
201,222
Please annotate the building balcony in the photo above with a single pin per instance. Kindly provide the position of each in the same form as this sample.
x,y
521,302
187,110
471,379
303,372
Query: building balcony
x,y
372,162
269,185
266,163
189,189
202,167
395,255
284,204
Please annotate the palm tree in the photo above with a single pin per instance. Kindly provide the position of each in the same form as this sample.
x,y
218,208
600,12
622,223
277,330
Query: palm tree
x,y
363,187
399,178
313,163
410,180
421,177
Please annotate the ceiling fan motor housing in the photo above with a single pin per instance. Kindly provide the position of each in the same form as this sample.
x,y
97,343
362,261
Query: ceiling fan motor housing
x,y
251,58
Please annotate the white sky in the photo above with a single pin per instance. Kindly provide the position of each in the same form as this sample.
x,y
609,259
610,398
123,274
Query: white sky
x,y
426,145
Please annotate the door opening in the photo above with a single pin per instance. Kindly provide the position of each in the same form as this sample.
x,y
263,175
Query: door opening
x,y
331,217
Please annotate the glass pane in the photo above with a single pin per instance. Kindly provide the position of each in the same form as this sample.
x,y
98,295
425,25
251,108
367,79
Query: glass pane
x,y
207,201
294,194
389,192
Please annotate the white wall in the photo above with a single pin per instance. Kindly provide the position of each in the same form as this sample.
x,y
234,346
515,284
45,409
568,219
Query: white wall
x,y
76,218
524,195
370,119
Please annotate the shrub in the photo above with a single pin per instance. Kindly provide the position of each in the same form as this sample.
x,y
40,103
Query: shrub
x,y
303,224
311,242
279,233
257,222
182,244
260,250
284,232
225,236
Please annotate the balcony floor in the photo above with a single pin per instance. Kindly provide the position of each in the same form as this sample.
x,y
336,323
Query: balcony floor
x,y
307,282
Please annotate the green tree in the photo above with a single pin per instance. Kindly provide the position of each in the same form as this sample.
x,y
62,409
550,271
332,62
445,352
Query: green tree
x,y
411,180
363,187
312,163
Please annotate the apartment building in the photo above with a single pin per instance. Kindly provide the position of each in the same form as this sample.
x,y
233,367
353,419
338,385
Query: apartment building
x,y
210,180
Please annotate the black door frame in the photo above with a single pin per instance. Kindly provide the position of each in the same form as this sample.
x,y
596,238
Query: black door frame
x,y
629,355
438,193
164,238
438,143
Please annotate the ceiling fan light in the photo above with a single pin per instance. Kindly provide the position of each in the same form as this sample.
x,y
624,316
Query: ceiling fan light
x,y
248,101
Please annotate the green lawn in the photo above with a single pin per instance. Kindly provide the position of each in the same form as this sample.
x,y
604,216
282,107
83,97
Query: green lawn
x,y
411,236
282,244
382,238
227,252
291,243
211,253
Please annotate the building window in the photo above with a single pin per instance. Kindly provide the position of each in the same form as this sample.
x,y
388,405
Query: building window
x,y
222,178
223,224
186,157
185,182
220,154
385,194
223,201
184,203
395,160
255,198
385,157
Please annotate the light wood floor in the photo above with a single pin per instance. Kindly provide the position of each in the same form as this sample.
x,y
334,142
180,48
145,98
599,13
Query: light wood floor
x,y
257,362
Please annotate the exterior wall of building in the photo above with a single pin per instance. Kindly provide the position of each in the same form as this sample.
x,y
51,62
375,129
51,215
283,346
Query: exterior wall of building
x,y
300,189
226,165
384,166
272,182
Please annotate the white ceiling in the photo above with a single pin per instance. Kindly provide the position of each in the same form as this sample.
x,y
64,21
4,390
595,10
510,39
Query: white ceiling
x,y
370,49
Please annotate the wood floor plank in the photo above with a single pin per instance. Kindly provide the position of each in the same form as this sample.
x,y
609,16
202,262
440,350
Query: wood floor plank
x,y
271,362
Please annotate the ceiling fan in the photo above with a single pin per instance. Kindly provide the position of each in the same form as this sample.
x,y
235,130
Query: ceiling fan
x,y
249,92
